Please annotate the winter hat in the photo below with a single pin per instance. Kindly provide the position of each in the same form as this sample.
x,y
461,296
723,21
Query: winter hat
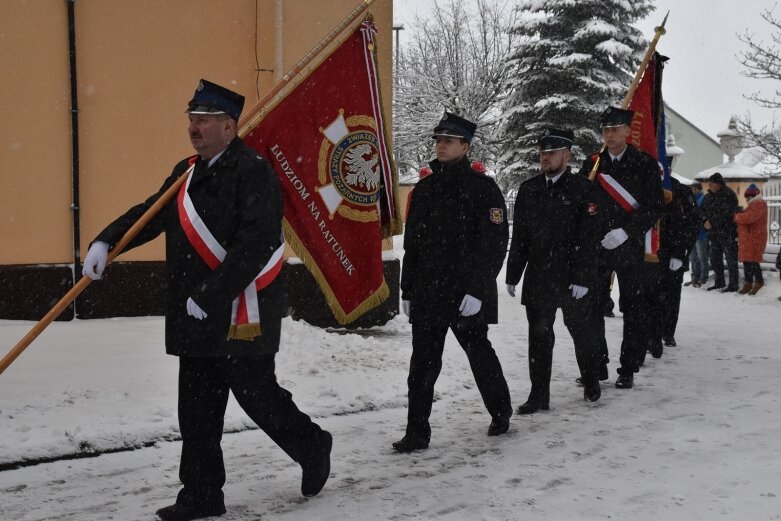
x,y
716,178
752,190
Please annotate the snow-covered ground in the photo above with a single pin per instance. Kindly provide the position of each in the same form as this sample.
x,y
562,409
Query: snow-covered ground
x,y
697,438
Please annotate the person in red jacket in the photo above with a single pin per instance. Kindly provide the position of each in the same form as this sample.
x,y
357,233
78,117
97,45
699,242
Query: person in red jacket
x,y
752,238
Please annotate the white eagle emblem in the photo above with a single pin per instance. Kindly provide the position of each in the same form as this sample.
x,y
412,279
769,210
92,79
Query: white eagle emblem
x,y
362,171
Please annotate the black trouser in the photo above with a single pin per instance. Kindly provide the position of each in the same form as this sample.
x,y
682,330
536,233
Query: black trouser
x,y
636,281
578,317
669,301
428,343
719,249
203,395
753,273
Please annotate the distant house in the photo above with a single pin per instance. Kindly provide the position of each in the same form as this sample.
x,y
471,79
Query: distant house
x,y
701,151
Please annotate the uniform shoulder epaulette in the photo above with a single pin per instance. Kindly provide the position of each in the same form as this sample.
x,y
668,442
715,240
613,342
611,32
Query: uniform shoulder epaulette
x,y
528,181
583,180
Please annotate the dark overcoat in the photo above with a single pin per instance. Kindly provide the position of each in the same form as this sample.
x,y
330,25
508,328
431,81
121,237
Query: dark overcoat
x,y
555,239
719,208
678,226
455,240
638,173
240,202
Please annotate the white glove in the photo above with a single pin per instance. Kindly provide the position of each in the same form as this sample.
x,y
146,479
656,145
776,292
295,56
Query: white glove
x,y
470,306
675,264
95,261
511,290
578,291
194,310
614,238
405,307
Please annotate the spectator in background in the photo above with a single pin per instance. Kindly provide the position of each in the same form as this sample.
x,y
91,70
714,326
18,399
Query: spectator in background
x,y
778,264
718,209
752,238
700,264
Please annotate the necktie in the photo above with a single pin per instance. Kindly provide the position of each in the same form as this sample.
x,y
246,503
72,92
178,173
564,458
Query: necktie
x,y
550,184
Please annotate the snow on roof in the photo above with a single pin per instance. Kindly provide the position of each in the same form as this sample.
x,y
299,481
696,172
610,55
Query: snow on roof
x,y
683,180
732,171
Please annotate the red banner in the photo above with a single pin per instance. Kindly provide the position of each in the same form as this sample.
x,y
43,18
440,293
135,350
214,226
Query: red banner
x,y
648,134
324,134
643,134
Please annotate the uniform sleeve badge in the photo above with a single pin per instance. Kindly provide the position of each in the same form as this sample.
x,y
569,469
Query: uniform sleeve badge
x,y
496,215
592,208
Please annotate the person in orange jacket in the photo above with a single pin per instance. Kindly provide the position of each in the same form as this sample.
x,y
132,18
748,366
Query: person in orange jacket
x,y
752,238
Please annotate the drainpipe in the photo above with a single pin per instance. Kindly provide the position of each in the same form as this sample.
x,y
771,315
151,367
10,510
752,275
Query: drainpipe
x,y
74,141
279,42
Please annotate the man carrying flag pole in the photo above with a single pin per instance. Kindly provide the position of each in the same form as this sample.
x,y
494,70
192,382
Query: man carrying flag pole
x,y
629,194
627,185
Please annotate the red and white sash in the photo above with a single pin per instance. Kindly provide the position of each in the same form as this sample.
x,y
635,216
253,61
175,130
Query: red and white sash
x,y
630,204
245,315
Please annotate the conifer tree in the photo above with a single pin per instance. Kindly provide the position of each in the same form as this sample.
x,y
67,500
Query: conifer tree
x,y
571,60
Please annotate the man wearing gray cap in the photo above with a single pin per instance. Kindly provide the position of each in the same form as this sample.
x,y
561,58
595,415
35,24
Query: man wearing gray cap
x,y
455,239
224,302
555,248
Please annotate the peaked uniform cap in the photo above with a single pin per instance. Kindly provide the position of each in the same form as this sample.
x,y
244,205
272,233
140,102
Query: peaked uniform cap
x,y
455,126
210,98
553,139
615,117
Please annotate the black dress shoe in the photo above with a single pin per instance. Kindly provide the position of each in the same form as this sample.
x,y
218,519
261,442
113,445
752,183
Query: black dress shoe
x,y
669,341
656,348
729,289
715,286
498,426
179,512
625,381
410,443
531,407
609,314
592,392
317,467
602,375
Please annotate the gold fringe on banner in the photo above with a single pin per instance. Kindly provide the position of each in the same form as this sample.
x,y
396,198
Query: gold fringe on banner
x,y
375,299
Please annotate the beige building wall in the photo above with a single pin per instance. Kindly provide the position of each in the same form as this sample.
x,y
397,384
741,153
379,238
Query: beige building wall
x,y
138,65
700,150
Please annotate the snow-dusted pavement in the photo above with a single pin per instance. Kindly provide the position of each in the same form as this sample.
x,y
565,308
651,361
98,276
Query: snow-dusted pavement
x,y
697,438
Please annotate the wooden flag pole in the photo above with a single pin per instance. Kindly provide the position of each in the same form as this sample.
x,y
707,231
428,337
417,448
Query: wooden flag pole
x,y
660,30
169,194
76,290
